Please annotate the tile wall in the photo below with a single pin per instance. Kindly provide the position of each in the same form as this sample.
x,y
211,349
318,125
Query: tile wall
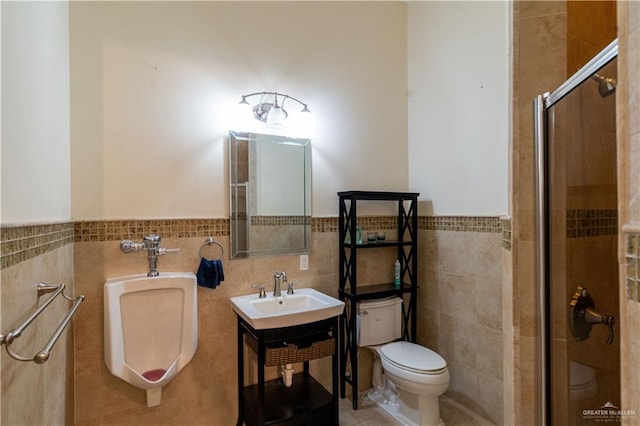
x,y
205,390
36,394
628,115
460,302
208,382
539,65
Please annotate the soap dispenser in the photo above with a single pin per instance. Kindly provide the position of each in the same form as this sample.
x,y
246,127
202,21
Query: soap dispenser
x,y
396,273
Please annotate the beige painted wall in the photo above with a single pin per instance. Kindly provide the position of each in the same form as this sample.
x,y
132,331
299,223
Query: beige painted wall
x,y
155,85
36,172
458,105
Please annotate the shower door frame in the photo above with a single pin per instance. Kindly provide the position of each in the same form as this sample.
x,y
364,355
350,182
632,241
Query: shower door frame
x,y
541,105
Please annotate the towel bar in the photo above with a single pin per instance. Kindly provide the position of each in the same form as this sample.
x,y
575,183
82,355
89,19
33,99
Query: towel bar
x,y
43,355
210,241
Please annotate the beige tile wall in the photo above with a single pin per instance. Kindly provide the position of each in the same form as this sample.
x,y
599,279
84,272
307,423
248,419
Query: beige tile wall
x,y
539,31
539,65
460,301
628,113
205,392
208,382
36,394
468,265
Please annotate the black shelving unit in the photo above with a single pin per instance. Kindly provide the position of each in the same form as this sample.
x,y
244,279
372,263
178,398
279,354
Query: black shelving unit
x,y
406,242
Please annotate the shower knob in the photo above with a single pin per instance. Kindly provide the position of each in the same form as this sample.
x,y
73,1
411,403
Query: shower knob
x,y
583,314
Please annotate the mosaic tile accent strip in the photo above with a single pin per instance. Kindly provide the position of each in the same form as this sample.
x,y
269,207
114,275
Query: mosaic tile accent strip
x,y
488,224
21,243
324,224
279,220
377,223
633,266
506,233
583,223
113,230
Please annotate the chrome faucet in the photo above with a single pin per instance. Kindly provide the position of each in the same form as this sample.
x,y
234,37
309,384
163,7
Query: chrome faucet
x,y
278,279
150,243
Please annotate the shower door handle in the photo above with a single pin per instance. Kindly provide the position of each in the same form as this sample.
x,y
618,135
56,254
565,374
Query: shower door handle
x,y
582,316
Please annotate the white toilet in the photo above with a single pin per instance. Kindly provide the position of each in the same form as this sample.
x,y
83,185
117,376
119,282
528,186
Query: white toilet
x,y
582,381
408,379
150,328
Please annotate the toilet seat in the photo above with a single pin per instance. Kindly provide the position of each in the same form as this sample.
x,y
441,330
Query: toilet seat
x,y
582,381
414,358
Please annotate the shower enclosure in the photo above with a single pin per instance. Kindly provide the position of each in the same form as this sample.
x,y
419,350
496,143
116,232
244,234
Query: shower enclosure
x,y
577,232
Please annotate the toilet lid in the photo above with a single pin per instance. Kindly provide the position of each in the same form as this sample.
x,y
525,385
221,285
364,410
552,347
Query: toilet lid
x,y
413,357
580,375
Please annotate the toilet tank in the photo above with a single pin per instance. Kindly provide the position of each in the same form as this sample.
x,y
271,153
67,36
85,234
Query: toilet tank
x,y
379,321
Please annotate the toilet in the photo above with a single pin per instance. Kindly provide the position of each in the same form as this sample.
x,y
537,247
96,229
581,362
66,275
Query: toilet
x,y
408,379
582,381
150,328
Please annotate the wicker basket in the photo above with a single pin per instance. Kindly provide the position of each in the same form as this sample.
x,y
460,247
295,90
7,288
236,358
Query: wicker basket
x,y
291,354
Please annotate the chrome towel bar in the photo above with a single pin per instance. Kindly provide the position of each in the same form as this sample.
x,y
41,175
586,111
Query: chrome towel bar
x,y
43,355
209,241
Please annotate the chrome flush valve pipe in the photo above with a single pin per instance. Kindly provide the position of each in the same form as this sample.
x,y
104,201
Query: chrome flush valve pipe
x,y
150,243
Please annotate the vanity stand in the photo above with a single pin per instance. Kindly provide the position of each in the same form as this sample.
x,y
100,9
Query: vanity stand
x,y
306,402
351,292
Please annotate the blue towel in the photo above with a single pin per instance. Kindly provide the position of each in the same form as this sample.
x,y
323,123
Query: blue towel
x,y
210,273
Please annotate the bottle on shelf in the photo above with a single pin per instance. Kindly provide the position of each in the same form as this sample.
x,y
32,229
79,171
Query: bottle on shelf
x,y
396,273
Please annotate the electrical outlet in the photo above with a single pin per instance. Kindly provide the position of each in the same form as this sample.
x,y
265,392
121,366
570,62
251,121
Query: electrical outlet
x,y
304,262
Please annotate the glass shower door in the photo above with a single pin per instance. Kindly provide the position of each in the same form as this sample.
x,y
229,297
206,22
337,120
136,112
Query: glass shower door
x,y
580,271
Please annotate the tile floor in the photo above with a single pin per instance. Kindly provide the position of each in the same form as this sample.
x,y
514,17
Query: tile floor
x,y
368,414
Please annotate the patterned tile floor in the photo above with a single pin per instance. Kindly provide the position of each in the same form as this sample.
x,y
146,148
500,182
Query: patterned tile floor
x,y
368,414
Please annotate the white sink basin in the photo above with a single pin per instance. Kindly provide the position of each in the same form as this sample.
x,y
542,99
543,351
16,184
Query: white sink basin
x,y
304,306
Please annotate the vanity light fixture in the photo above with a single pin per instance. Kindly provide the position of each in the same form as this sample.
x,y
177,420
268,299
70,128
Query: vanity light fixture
x,y
269,111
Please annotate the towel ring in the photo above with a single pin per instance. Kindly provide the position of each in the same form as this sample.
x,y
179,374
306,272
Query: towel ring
x,y
208,242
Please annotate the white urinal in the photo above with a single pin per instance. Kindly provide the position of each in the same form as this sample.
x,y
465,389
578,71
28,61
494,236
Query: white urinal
x,y
150,328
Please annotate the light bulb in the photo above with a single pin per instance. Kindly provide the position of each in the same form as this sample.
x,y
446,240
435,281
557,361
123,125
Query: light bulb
x,y
276,117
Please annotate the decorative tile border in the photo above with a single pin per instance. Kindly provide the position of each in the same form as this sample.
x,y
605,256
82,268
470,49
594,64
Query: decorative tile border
x,y
376,223
21,243
506,233
113,230
489,224
279,220
633,266
583,223
324,224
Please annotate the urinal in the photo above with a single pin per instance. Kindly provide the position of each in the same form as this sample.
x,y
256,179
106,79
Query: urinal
x,y
150,328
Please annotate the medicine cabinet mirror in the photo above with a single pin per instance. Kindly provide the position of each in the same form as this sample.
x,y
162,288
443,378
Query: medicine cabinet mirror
x,y
270,194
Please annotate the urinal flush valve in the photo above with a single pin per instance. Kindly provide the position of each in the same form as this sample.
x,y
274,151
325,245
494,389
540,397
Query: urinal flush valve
x,y
582,316
150,243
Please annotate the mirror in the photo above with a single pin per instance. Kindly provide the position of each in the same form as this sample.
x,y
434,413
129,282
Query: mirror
x,y
269,194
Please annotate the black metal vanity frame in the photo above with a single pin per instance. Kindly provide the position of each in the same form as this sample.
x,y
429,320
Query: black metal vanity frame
x,y
306,402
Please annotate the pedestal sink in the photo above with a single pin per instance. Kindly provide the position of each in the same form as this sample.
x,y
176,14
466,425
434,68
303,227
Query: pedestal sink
x,y
304,306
